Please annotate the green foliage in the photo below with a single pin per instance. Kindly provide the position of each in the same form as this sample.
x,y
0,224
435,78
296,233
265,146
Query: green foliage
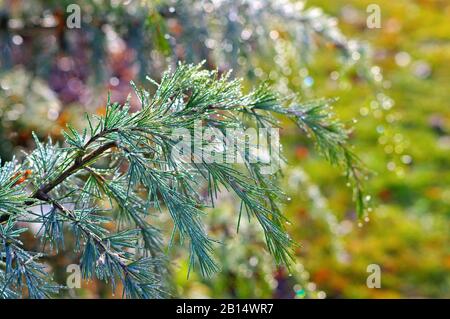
x,y
127,158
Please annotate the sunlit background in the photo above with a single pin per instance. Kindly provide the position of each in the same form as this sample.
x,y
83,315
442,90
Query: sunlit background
x,y
392,86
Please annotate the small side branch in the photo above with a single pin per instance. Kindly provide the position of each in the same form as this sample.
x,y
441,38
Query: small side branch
x,y
42,192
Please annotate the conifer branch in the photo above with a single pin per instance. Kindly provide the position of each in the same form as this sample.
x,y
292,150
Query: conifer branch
x,y
144,172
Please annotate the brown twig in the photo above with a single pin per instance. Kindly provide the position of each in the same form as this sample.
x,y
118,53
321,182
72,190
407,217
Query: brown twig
x,y
42,192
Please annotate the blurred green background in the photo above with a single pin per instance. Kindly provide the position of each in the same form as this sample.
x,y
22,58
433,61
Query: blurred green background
x,y
396,99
